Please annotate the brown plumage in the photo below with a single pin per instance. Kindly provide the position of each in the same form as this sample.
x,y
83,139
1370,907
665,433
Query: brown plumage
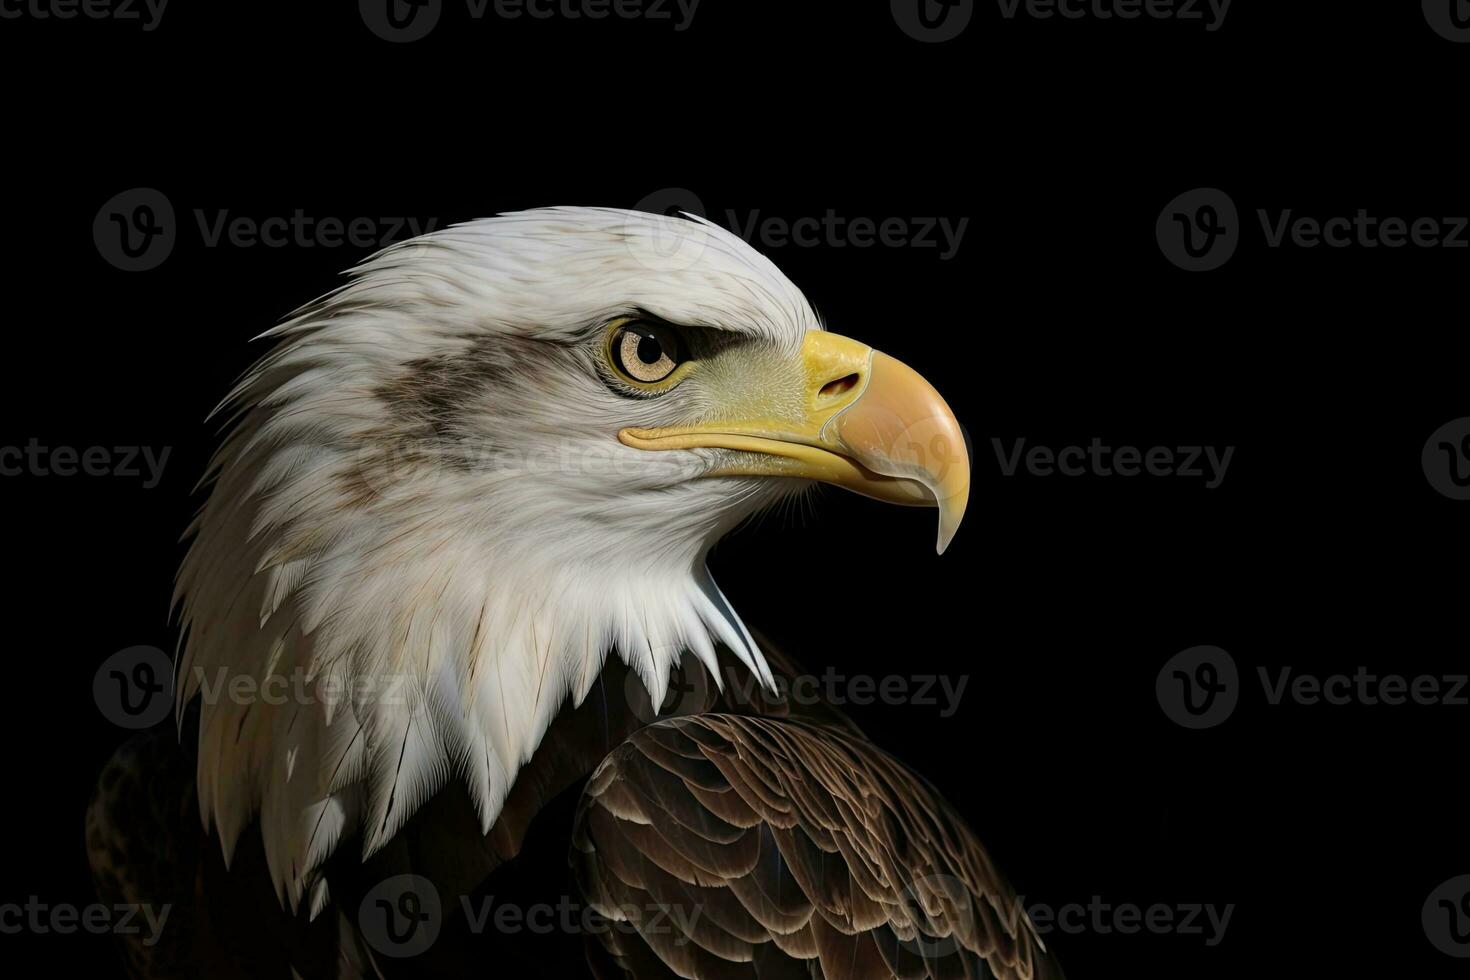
x,y
795,849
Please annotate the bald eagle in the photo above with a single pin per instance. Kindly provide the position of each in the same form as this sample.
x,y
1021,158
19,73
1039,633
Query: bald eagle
x,y
465,503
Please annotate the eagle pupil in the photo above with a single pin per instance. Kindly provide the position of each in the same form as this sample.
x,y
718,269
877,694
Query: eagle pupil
x,y
650,350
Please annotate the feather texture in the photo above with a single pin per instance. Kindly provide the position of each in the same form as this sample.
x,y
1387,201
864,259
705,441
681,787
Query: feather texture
x,y
748,847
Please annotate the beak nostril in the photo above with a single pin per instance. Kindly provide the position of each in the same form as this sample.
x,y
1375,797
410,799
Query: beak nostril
x,y
841,386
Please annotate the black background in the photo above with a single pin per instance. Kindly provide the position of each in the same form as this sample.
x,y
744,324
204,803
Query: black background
x,y
1059,319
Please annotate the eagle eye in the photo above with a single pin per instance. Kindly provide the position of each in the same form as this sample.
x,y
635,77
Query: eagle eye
x,y
645,353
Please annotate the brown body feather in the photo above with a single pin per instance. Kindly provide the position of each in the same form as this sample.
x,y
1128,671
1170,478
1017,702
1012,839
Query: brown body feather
x,y
789,849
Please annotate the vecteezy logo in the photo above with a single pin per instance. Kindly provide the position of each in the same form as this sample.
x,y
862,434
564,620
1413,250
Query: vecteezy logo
x,y
1446,917
135,230
1449,18
688,692
401,916
942,908
1199,230
1446,459
676,243
1198,687
933,21
400,21
131,687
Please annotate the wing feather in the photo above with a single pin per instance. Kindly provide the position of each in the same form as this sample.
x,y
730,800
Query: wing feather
x,y
789,847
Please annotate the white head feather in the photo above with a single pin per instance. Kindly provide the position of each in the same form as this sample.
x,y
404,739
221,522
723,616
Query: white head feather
x,y
423,535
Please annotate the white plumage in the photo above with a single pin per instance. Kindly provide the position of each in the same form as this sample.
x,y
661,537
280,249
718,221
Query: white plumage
x,y
423,535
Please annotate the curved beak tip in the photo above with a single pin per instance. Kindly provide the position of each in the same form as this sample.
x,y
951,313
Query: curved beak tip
x,y
951,513
946,535
901,427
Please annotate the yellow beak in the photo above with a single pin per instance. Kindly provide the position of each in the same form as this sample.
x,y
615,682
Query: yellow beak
x,y
868,422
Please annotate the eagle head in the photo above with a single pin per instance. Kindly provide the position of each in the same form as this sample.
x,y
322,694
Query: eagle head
x,y
499,453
